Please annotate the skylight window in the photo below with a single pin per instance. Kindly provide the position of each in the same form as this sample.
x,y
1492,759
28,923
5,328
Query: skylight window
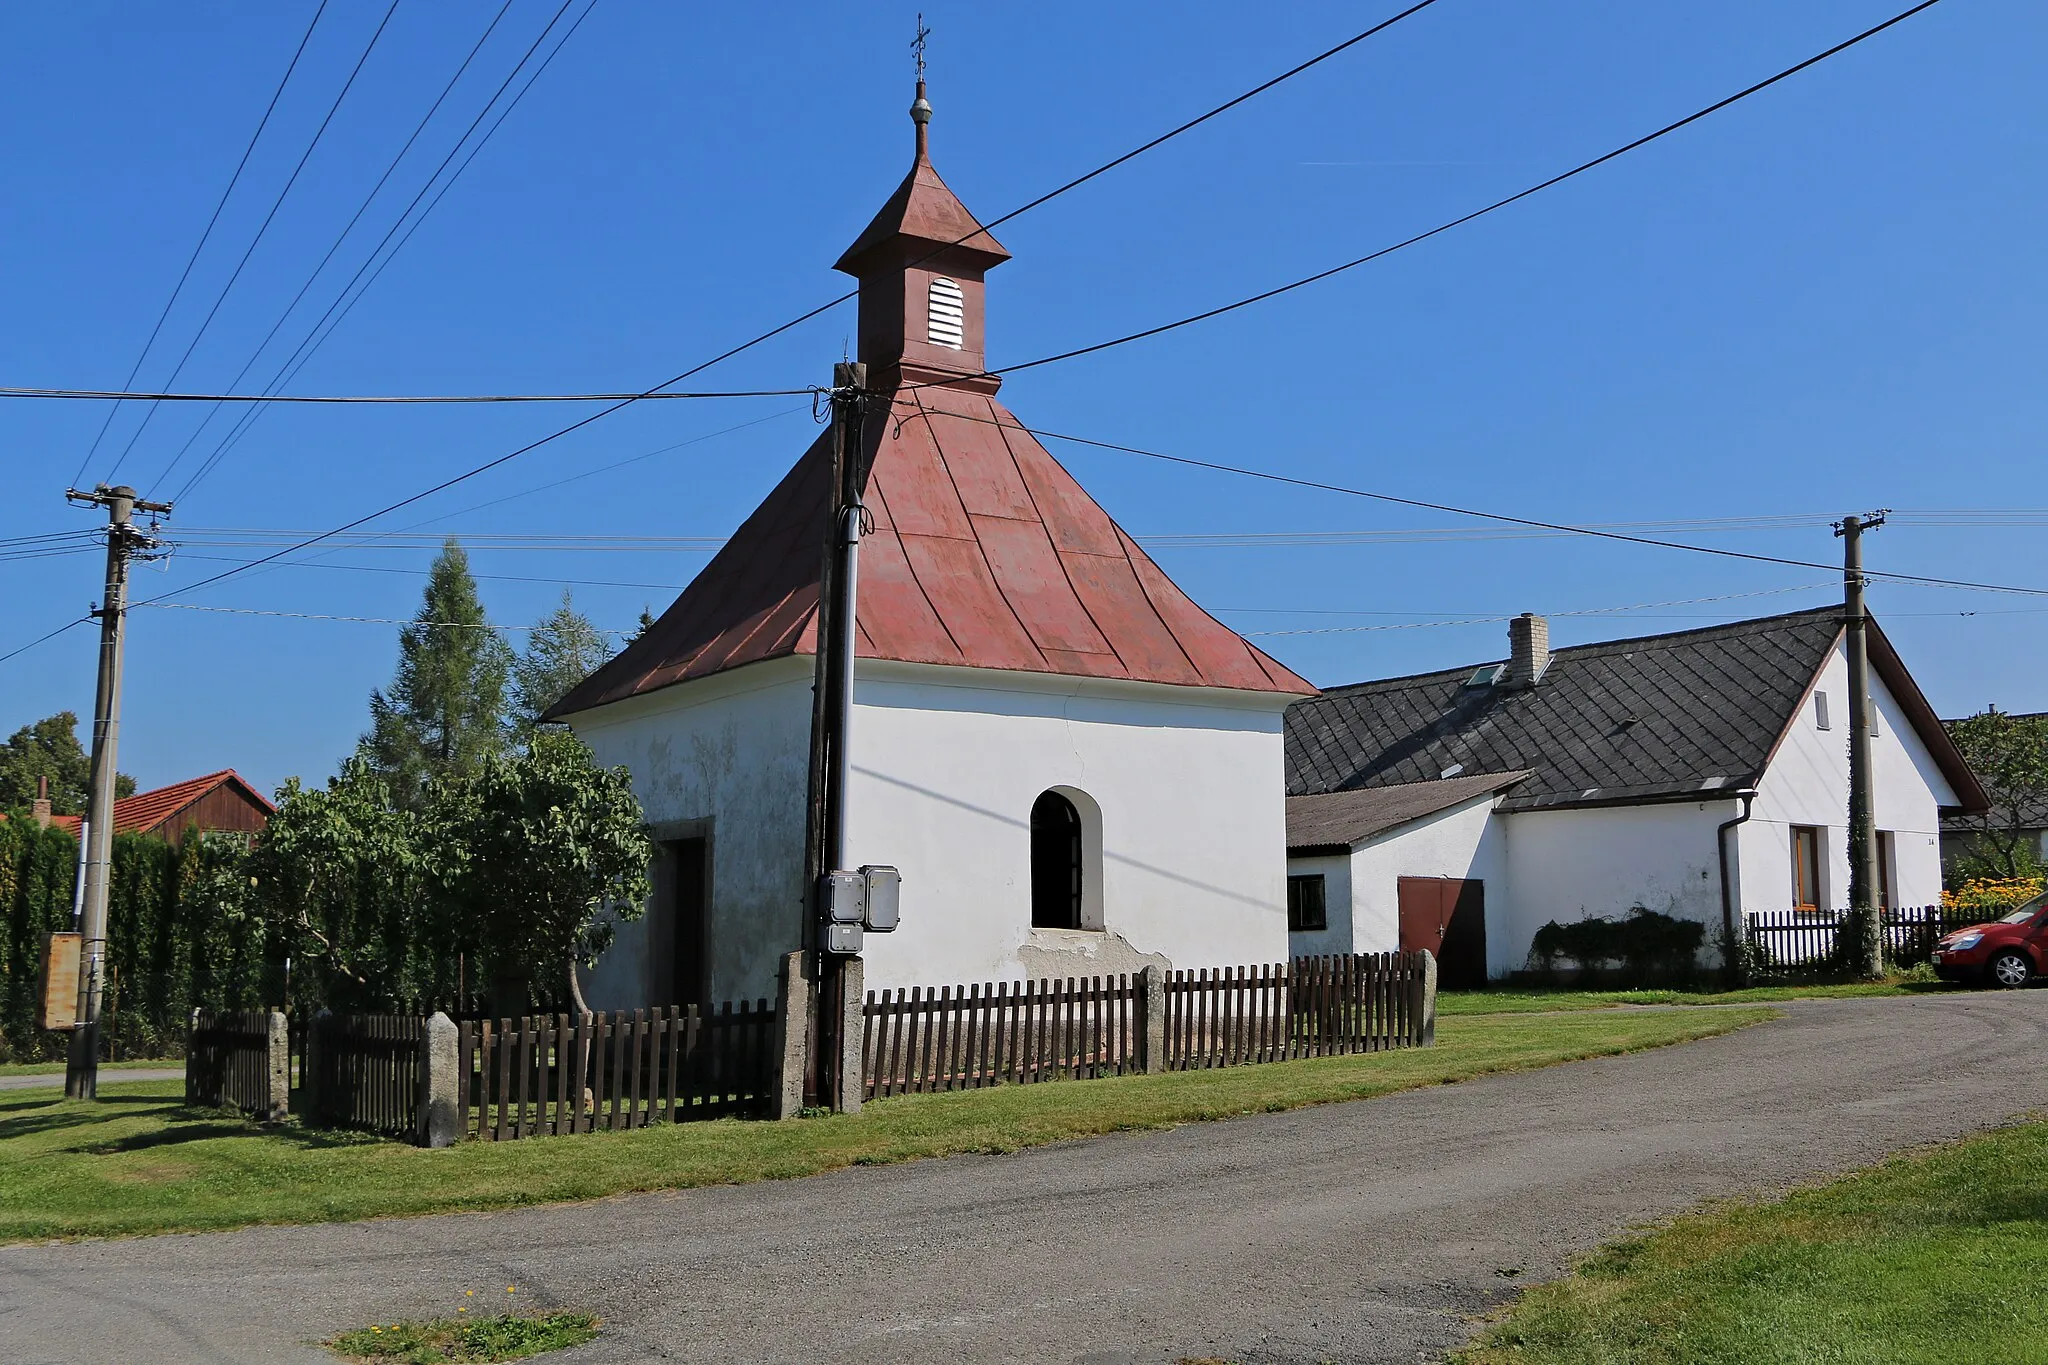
x,y
1486,675
946,326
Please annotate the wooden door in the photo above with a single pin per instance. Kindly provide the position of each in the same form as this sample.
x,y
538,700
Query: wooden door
x,y
1447,916
690,923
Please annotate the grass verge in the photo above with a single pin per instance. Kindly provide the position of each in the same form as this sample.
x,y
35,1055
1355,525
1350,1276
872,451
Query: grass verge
x,y
57,1068
1935,1256
465,1340
1538,1001
137,1161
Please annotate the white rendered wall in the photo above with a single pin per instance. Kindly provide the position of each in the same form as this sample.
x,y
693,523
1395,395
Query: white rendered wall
x,y
947,762
1568,865
731,750
1335,870
1807,783
1466,842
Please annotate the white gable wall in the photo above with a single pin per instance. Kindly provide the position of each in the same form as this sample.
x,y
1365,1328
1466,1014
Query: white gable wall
x,y
1186,782
1807,783
730,751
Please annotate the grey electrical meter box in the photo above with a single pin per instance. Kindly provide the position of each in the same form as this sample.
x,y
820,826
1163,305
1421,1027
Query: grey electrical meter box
x,y
842,939
845,895
884,888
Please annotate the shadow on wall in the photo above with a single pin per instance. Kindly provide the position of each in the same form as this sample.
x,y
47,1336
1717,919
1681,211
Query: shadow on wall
x,y
1643,948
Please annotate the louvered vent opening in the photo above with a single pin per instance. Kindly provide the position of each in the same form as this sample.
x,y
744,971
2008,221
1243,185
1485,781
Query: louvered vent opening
x,y
948,321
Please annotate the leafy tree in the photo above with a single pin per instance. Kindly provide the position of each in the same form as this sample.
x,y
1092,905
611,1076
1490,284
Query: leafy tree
x,y
2009,754
50,748
349,883
445,712
564,649
553,858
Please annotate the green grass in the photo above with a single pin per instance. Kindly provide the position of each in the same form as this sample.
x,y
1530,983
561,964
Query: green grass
x,y
1937,1256
57,1068
138,1162
505,1337
1539,1000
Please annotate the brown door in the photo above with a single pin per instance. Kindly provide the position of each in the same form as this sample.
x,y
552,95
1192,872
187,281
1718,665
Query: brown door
x,y
1448,917
690,929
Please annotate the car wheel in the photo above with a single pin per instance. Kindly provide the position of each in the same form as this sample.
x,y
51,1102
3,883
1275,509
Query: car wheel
x,y
2010,970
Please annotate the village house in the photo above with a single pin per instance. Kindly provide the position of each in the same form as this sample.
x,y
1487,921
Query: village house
x,y
1700,774
1076,769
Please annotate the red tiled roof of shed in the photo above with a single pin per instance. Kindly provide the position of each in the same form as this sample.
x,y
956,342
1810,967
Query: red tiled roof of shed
x,y
145,811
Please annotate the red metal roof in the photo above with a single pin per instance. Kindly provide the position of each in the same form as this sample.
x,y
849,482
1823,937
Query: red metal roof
x,y
985,553
145,811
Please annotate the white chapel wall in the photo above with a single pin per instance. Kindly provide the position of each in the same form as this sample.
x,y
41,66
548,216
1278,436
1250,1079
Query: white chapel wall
x,y
947,763
733,750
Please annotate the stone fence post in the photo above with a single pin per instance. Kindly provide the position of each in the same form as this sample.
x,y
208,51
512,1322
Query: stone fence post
x,y
277,1105
310,1098
1150,1025
1422,1000
853,1021
440,1113
792,1035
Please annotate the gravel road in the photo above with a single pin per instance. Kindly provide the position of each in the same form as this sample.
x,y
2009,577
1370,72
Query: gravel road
x,y
1371,1231
108,1075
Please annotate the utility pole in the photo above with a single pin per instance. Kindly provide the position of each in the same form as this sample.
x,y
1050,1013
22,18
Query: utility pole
x,y
96,834
831,720
1865,912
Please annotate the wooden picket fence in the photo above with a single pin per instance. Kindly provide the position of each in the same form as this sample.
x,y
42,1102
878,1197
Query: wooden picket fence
x,y
363,1071
1813,942
964,1037
227,1061
925,1039
1310,1007
560,1074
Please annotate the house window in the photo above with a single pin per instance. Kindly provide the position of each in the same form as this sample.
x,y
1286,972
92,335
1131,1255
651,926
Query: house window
x,y
1886,899
1306,909
1820,711
1055,863
946,324
1805,868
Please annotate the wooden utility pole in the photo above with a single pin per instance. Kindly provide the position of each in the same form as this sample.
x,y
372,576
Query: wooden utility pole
x,y
1865,911
96,834
831,709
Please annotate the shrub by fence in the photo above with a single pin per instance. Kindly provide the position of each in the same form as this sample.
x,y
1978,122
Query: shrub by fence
x,y
920,1039
567,1074
239,1060
363,1071
1808,942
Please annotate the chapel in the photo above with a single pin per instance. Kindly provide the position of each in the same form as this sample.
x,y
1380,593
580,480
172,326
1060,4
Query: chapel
x,y
1077,770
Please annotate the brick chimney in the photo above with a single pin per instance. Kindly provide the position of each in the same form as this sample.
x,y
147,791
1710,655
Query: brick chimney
x,y
1528,649
39,809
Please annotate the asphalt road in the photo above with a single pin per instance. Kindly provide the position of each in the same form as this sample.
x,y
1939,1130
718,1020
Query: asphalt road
x,y
108,1075
1372,1231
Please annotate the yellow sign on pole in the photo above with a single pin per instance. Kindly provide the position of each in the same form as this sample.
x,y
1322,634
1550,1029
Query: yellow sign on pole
x,y
60,981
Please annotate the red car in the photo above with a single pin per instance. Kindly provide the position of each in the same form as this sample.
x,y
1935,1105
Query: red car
x,y
2007,952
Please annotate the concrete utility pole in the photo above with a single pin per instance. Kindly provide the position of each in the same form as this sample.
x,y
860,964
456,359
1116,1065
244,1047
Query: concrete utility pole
x,y
1863,872
831,720
96,835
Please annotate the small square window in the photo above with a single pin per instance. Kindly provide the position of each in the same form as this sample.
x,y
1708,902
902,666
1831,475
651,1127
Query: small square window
x,y
1820,711
1306,911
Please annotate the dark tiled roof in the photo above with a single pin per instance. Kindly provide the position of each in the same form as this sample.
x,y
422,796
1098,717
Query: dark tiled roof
x,y
1657,718
1337,820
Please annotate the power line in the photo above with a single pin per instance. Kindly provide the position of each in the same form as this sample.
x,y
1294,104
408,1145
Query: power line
x,y
68,625
1580,169
261,229
131,396
360,620
315,338
424,573
347,228
204,236
1592,531
1584,611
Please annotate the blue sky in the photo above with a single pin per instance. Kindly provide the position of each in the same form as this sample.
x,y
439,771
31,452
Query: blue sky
x,y
1825,299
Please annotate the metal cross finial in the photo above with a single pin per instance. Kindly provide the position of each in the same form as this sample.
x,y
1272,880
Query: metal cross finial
x,y
917,44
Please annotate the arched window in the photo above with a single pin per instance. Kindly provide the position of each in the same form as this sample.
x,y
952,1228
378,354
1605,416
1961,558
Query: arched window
x,y
1056,879
946,322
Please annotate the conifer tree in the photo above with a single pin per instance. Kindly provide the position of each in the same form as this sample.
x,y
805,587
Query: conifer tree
x,y
445,711
564,649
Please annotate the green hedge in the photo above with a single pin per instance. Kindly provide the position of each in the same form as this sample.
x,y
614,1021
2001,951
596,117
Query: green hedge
x,y
177,937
